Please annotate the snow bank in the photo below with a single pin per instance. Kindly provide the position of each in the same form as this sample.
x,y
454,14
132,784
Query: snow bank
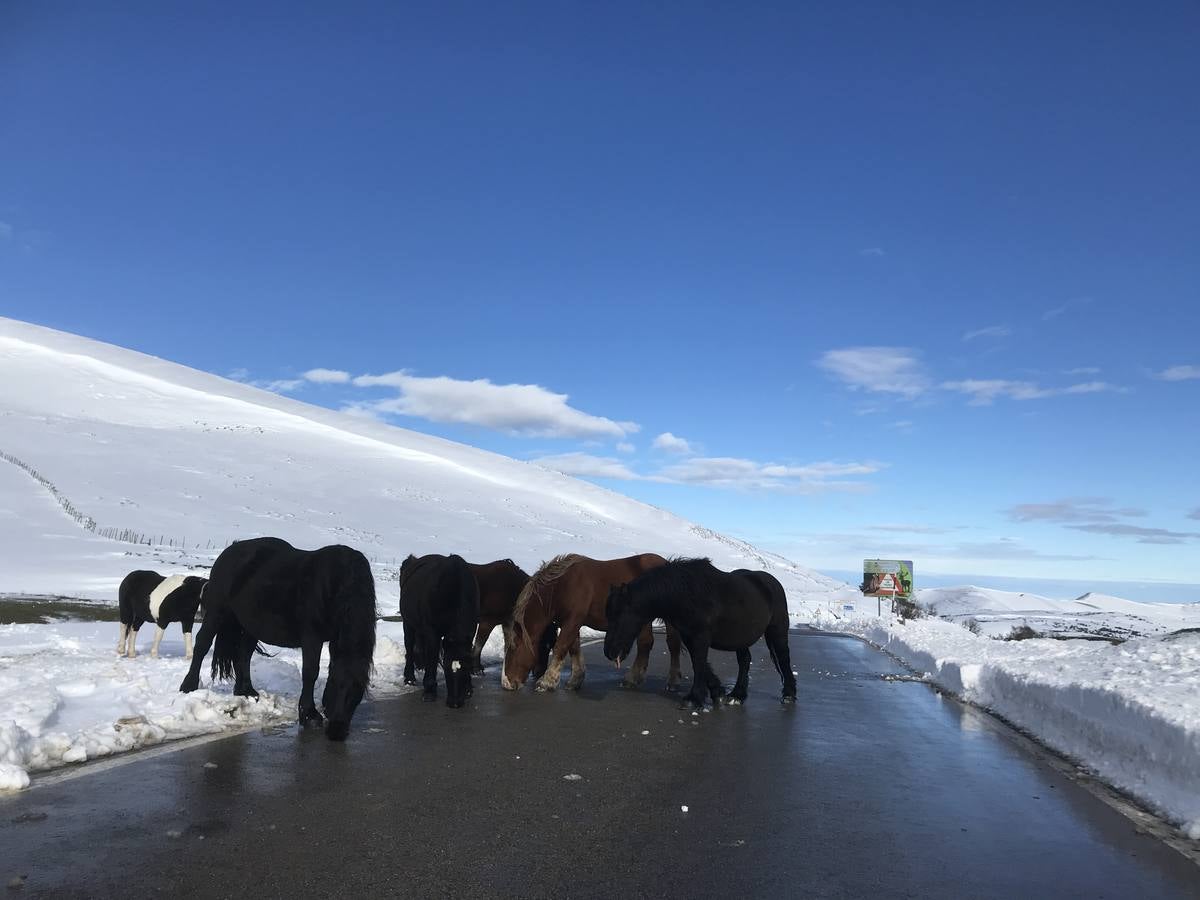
x,y
66,697
1130,713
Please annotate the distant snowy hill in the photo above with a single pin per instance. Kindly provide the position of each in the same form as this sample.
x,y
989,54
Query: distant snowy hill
x,y
998,612
104,446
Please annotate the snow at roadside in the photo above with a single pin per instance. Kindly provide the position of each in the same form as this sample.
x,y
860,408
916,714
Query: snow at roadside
x,y
1130,713
66,697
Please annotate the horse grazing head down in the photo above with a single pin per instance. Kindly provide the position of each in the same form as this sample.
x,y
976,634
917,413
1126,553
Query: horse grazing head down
x,y
344,690
624,623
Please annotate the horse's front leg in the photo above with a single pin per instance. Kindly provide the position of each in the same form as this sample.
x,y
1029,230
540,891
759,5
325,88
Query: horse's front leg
x,y
242,687
673,645
486,627
738,694
567,637
578,667
698,651
637,672
311,650
716,690
208,630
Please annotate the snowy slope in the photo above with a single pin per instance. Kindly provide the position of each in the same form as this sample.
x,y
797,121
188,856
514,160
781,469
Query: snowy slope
x,y
998,612
144,446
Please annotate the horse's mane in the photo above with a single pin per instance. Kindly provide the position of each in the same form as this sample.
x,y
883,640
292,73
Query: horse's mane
x,y
679,576
549,573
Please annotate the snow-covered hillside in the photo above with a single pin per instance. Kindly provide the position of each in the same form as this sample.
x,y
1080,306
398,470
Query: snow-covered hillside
x,y
998,612
95,435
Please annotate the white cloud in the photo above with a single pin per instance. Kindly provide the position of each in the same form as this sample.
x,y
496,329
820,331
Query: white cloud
x,y
991,331
1072,509
625,447
724,471
6,231
670,443
1143,535
871,251
281,385
584,465
1083,370
887,370
238,375
1070,304
520,409
1179,373
985,391
327,376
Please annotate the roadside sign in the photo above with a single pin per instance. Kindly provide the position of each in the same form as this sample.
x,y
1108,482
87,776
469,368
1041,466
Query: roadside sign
x,y
887,578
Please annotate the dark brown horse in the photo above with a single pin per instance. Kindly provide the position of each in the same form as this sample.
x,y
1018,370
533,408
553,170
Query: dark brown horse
x,y
500,584
571,591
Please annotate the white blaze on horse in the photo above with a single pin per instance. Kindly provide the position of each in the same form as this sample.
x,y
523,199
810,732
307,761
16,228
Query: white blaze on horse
x,y
149,597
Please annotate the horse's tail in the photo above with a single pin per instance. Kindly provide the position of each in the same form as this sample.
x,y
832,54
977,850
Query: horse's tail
x,y
354,613
549,573
225,647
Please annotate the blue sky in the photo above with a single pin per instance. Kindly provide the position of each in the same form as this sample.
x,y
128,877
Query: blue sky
x,y
916,282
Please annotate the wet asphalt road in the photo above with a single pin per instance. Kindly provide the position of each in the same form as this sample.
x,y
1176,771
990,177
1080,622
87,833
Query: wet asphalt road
x,y
867,787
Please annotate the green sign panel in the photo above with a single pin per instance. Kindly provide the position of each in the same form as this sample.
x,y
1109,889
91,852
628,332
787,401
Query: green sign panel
x,y
887,578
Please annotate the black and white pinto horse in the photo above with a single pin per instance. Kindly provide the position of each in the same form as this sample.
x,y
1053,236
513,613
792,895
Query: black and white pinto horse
x,y
266,590
439,602
710,609
149,597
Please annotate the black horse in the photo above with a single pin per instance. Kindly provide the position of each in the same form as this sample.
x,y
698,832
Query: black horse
x,y
265,589
439,602
149,597
709,608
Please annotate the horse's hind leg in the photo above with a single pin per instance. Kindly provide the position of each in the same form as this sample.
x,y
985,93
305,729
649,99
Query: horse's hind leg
x,y
777,643
311,650
578,667
158,636
410,662
673,643
241,665
738,694
637,672
429,657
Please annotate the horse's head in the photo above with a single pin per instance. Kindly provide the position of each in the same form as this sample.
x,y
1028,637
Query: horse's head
x,y
344,690
624,624
521,644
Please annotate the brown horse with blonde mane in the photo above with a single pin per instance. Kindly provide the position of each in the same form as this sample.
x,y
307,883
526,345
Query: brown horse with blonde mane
x,y
571,590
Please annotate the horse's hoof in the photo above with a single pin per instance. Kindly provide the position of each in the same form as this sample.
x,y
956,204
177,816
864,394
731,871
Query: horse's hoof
x,y
788,699
188,685
732,700
251,693
543,688
411,681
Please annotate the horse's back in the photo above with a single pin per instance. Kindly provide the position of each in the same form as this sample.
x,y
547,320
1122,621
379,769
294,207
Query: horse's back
x,y
499,583
138,582
441,593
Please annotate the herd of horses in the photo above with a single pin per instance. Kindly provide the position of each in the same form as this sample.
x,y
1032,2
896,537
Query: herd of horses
x,y
265,591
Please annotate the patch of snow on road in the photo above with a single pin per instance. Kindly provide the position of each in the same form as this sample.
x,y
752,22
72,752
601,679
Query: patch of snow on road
x,y
66,697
